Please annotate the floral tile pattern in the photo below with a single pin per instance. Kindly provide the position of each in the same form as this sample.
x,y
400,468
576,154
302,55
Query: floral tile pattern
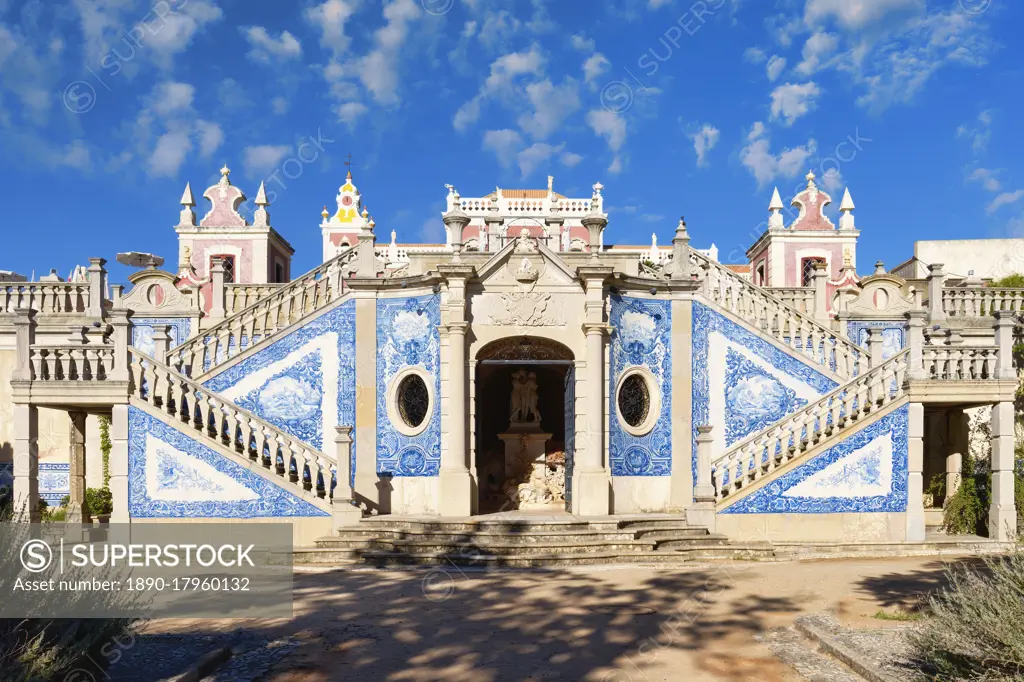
x,y
170,475
641,337
866,472
754,398
303,383
757,364
54,481
408,336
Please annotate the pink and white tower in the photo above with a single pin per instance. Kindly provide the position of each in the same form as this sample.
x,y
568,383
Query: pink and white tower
x,y
341,229
786,256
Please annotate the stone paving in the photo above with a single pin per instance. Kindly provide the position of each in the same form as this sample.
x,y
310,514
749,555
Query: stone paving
x,y
595,624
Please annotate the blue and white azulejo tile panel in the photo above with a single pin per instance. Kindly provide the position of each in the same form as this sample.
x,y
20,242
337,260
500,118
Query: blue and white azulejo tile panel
x,y
54,481
170,475
894,335
303,383
866,472
641,337
408,336
6,480
743,383
142,331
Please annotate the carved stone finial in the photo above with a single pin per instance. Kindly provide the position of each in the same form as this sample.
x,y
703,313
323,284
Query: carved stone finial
x,y
879,268
775,219
451,189
325,213
187,215
186,197
810,180
847,257
260,217
846,219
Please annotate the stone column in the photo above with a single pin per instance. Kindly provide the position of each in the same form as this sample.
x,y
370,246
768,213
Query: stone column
x,y
875,346
915,474
936,280
366,392
119,320
455,481
915,342
1005,321
161,342
217,288
703,511
77,512
1002,516
681,494
954,467
26,463
681,252
591,477
820,293
97,286
346,511
119,463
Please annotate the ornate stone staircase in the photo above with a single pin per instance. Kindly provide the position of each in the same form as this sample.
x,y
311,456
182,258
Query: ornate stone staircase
x,y
525,543
260,322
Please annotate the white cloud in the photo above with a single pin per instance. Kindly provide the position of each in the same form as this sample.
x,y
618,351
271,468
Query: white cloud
x,y
775,67
350,112
552,105
170,152
595,65
378,70
791,101
171,98
262,159
1004,199
267,49
570,159
535,155
77,156
616,166
987,178
210,137
582,43
764,165
704,141
754,55
504,71
609,125
979,135
856,14
503,143
817,48
331,17
279,105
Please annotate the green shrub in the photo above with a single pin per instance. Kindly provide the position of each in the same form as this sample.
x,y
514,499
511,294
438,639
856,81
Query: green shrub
x,y
965,512
99,501
1014,281
974,631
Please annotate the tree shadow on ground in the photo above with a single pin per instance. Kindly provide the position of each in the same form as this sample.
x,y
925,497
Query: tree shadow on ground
x,y
453,624
910,590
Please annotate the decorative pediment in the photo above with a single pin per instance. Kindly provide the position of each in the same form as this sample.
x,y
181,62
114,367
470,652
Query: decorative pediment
x,y
156,291
879,296
225,199
812,202
523,264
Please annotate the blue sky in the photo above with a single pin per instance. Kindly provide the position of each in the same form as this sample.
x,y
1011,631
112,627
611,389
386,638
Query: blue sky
x,y
107,108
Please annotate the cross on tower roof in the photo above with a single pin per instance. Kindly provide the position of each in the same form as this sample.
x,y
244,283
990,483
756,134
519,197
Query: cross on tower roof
x,y
348,162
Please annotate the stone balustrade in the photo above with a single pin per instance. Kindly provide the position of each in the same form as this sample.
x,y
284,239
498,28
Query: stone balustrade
x,y
237,297
762,453
960,363
278,310
71,362
765,311
303,469
798,298
981,301
47,298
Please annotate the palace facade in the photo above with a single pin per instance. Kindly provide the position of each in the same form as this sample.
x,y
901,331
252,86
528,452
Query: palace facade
x,y
529,362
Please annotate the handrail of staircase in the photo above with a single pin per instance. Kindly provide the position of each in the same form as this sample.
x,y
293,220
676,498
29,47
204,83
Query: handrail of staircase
x,y
270,314
300,467
48,298
768,312
761,453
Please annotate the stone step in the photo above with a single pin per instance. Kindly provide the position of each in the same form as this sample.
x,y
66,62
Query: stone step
x,y
722,551
519,561
654,523
333,556
495,526
670,533
526,538
684,542
498,548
